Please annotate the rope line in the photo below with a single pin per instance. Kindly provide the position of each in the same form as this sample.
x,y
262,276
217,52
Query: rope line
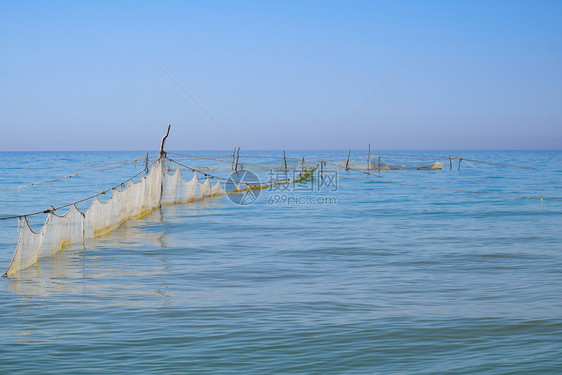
x,y
108,166
227,162
53,209
90,164
123,161
195,169
195,101
209,175
374,155
457,158
39,182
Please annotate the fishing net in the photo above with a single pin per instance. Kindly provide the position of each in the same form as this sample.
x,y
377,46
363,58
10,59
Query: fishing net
x,y
384,164
134,200
166,186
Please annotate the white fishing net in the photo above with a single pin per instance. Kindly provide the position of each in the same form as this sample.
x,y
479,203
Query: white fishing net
x,y
133,201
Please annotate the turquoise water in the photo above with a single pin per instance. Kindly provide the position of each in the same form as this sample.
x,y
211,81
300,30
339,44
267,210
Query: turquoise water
x,y
380,279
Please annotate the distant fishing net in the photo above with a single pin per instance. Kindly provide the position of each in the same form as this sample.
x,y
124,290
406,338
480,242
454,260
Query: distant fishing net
x,y
380,164
157,188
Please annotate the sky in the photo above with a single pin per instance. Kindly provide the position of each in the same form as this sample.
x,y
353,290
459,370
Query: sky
x,y
398,75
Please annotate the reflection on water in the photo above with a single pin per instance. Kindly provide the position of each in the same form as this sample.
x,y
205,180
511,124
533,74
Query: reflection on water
x,y
117,252
65,272
131,252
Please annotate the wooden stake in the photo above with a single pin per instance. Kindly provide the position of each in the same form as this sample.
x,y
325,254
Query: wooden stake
x,y
162,153
460,163
347,162
237,157
450,163
285,159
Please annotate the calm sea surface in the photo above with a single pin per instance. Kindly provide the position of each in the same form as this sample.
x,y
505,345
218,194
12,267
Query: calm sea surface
x,y
354,277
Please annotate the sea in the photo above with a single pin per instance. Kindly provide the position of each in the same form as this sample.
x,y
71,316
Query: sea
x,y
381,272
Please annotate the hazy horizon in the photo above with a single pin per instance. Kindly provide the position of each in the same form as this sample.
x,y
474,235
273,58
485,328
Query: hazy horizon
x,y
373,151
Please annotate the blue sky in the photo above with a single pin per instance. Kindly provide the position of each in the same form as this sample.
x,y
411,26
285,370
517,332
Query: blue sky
x,y
281,75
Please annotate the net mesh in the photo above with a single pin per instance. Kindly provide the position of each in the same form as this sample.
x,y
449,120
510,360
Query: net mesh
x,y
135,200
167,186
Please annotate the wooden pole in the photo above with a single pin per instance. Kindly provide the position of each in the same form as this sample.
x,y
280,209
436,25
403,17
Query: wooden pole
x,y
450,163
285,159
233,158
162,153
369,158
237,157
347,162
460,160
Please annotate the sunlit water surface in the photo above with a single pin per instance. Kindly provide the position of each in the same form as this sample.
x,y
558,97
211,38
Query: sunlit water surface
x,y
383,279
